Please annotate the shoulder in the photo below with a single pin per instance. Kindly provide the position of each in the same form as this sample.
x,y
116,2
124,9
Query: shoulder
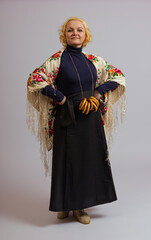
x,y
56,56
93,57
53,62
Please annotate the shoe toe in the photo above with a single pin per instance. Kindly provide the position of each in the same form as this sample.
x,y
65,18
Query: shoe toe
x,y
62,214
81,216
85,219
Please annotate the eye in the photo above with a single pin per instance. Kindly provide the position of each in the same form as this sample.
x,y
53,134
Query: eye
x,y
80,30
69,30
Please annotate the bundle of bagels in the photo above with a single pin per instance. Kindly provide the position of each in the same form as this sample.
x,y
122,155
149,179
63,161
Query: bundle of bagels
x,y
90,104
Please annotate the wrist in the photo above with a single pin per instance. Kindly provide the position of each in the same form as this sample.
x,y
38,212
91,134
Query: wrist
x,y
97,95
63,101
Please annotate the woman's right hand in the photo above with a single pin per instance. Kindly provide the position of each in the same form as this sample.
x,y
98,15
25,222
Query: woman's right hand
x,y
63,101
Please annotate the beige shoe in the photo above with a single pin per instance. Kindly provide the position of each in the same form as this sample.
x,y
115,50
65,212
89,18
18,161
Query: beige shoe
x,y
81,216
62,214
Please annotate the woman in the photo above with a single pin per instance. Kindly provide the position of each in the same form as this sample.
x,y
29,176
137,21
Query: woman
x,y
72,90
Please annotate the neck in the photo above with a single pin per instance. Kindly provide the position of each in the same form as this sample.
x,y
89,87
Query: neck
x,y
74,49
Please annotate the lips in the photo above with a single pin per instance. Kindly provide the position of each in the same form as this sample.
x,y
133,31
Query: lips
x,y
74,38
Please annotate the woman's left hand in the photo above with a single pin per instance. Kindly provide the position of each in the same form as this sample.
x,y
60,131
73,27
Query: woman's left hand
x,y
97,95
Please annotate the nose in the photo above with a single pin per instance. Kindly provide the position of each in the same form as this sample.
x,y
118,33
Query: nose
x,y
75,32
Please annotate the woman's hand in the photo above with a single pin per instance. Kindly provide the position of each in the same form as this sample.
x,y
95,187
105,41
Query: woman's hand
x,y
97,95
63,101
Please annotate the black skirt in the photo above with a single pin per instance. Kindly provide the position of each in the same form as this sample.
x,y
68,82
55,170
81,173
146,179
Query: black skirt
x,y
81,174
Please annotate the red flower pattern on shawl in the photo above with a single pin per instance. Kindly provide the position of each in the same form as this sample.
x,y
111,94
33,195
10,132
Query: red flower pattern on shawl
x,y
37,78
55,56
91,57
113,71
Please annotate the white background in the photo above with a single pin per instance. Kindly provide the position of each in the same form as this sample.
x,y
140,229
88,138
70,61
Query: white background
x,y
121,35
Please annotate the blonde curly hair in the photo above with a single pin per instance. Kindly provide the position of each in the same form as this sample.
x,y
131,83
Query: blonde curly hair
x,y
62,32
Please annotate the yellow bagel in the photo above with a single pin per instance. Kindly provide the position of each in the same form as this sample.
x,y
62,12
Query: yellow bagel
x,y
84,107
88,108
82,103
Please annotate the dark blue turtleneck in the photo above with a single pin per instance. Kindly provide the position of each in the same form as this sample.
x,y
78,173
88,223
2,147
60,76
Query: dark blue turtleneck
x,y
67,79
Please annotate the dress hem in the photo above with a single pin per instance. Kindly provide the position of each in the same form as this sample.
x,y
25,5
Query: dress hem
x,y
84,206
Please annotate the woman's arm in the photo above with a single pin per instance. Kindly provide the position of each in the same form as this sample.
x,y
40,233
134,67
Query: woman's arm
x,y
42,82
105,87
53,93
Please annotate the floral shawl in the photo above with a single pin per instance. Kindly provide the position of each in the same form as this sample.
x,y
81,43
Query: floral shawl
x,y
41,109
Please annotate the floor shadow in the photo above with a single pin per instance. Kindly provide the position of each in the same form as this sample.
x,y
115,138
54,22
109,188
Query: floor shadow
x,y
26,207
33,208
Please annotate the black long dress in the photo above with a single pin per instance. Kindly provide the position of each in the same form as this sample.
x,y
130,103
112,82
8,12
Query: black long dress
x,y
81,175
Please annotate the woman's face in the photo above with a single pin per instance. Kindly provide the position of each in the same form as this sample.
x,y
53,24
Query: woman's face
x,y
75,33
